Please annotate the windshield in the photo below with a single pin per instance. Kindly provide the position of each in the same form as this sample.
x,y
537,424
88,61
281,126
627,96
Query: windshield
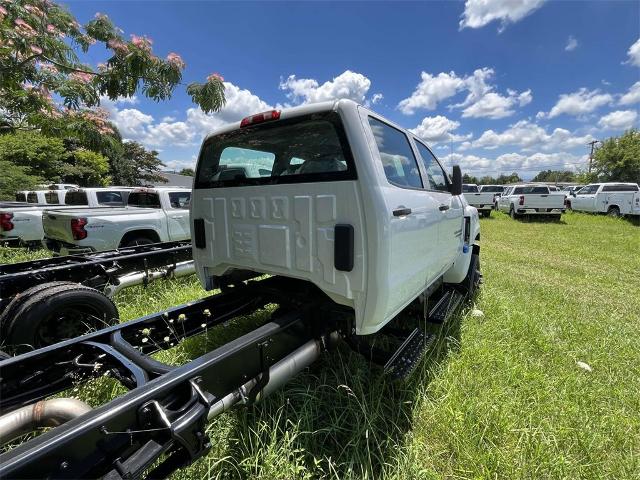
x,y
491,188
312,148
469,189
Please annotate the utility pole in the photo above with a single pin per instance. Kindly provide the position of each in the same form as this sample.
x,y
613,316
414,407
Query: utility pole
x,y
593,147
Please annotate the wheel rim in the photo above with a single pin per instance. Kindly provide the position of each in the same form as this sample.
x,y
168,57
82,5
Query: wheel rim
x,y
69,322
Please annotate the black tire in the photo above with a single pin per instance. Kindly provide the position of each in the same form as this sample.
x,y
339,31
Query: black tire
x,y
513,214
137,241
568,205
59,313
19,299
486,213
471,282
613,212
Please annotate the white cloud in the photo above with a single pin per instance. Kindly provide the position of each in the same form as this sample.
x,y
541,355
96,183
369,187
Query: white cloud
x,y
376,98
632,96
619,120
578,103
481,101
431,90
572,44
478,13
529,136
438,129
525,165
634,54
348,84
136,125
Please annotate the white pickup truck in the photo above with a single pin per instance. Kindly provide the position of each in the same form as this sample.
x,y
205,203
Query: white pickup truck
x,y
521,200
23,224
482,200
614,199
151,215
347,200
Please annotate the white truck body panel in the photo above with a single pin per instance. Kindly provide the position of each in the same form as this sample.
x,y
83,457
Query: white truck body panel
x,y
107,228
27,220
475,197
289,228
601,197
532,200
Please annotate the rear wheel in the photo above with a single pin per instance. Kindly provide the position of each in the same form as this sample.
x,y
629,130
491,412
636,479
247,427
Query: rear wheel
x,y
58,313
486,213
512,213
613,212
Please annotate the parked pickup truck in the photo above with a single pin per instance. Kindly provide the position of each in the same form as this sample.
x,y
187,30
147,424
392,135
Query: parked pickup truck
x,y
347,200
614,199
520,200
483,201
23,224
151,215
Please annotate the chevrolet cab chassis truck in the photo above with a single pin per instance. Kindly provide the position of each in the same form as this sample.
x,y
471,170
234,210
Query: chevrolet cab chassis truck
x,y
331,221
45,301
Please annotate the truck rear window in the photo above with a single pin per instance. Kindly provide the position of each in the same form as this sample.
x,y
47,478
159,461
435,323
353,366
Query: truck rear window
x,y
469,189
76,198
144,200
311,148
21,197
52,197
491,189
32,197
524,190
111,199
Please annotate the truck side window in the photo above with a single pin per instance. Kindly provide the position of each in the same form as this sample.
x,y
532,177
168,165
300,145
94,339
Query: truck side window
x,y
400,165
179,199
32,197
110,198
435,175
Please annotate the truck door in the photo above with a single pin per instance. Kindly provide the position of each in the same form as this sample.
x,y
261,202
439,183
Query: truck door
x,y
178,215
450,209
586,198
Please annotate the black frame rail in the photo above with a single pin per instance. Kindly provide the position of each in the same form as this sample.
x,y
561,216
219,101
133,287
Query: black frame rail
x,y
163,416
95,270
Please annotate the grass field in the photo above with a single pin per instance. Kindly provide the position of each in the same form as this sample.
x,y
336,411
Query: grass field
x,y
499,396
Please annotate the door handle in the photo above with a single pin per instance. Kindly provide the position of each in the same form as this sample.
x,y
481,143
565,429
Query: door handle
x,y
401,212
444,208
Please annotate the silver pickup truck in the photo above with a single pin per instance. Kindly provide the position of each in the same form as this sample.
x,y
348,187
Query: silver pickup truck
x,y
151,215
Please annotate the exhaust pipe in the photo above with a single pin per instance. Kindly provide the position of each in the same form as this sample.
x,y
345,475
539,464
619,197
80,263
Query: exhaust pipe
x,y
182,269
279,374
45,413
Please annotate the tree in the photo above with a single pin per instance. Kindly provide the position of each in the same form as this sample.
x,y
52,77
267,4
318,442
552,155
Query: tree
x,y
555,176
137,166
618,159
40,49
504,179
38,155
14,178
189,172
487,180
466,178
86,168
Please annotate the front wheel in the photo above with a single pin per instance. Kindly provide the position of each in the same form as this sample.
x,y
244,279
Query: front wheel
x,y
471,282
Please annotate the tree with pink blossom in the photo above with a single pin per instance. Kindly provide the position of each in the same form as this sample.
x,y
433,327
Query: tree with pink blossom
x,y
40,48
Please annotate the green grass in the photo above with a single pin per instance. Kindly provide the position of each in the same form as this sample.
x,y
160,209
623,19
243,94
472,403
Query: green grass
x,y
499,396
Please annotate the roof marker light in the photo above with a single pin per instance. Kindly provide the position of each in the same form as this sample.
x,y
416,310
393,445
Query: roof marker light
x,y
260,118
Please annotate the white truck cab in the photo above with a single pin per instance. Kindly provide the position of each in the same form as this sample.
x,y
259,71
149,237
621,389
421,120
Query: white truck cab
x,y
342,198
482,200
614,199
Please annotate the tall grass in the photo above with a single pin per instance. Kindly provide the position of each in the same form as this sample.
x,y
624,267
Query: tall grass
x,y
498,396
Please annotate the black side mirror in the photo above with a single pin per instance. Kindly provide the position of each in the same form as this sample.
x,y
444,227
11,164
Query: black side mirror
x,y
456,181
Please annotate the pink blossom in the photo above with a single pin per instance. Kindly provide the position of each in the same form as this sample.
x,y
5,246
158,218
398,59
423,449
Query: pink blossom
x,y
3,12
143,43
176,60
35,49
117,46
48,67
215,76
51,29
34,10
82,77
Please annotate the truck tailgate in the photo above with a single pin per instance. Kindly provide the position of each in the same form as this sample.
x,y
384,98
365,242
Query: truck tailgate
x,y
57,225
543,200
479,198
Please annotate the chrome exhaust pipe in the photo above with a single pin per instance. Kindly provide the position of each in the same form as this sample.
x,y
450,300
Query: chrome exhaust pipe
x,y
182,269
279,374
45,413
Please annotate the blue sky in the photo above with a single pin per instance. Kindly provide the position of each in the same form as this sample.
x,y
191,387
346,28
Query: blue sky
x,y
506,85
